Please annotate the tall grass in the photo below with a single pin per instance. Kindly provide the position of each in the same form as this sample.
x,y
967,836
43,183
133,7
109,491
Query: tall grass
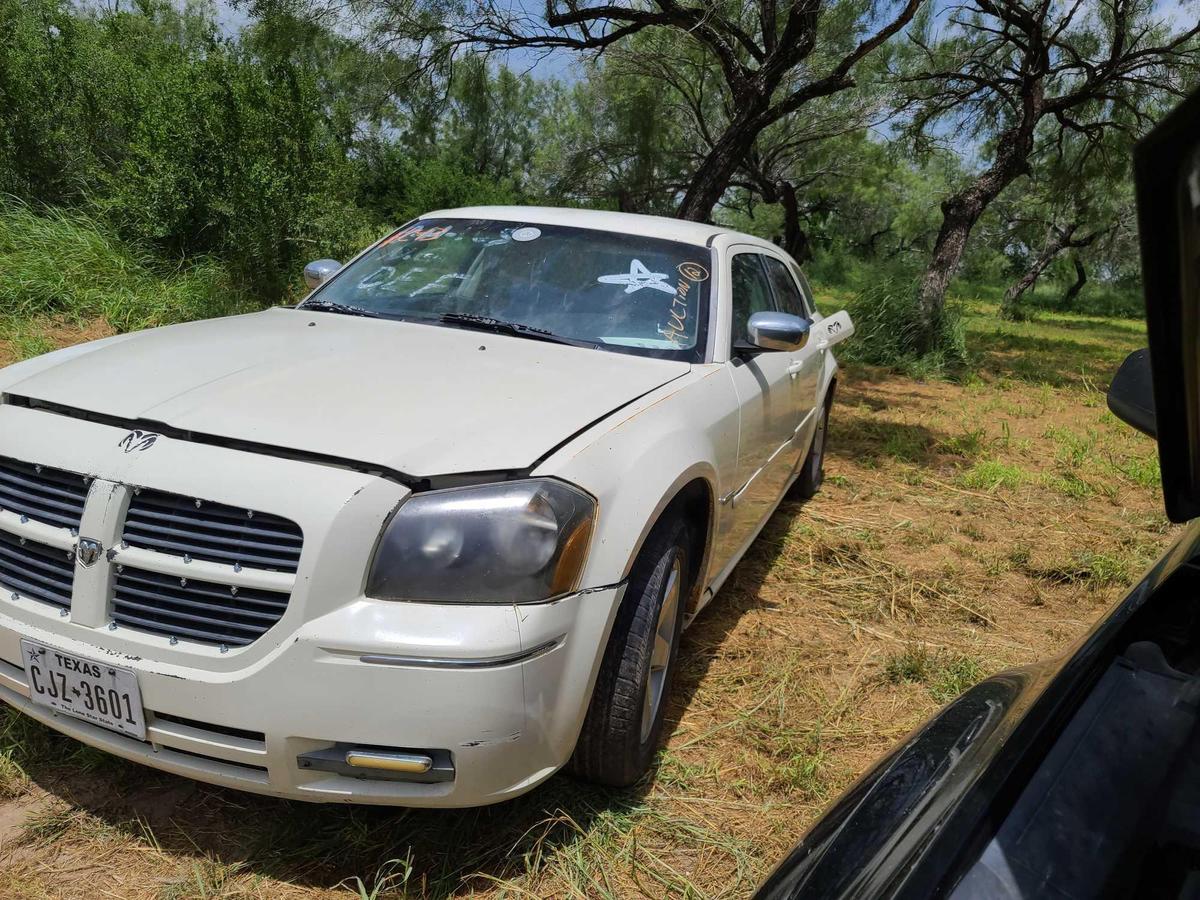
x,y
885,320
66,264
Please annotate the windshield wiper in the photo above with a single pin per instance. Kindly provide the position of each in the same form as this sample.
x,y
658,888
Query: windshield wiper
x,y
342,309
513,329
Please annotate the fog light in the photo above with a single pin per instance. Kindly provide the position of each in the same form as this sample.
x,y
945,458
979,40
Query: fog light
x,y
410,763
418,765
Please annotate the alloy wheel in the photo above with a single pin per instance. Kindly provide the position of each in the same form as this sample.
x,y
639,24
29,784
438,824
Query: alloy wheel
x,y
660,656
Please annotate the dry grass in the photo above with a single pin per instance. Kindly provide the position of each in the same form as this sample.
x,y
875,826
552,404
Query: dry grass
x,y
963,528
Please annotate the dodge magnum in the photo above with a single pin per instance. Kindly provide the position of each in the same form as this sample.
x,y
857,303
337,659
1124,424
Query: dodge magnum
x,y
426,537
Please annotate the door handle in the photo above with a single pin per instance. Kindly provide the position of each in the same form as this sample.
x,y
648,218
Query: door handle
x,y
794,368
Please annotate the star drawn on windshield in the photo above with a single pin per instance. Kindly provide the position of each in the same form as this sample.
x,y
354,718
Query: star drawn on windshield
x,y
639,277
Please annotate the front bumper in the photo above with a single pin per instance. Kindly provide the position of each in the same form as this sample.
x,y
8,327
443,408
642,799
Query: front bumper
x,y
509,716
334,668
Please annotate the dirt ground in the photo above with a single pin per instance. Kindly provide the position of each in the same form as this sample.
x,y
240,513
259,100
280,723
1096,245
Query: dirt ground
x,y
964,527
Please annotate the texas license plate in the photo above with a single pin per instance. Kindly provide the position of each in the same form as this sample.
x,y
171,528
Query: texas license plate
x,y
94,691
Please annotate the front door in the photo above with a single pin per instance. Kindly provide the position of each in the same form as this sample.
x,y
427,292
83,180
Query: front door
x,y
807,360
770,412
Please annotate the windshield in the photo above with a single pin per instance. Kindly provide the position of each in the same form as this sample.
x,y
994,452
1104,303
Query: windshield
x,y
620,292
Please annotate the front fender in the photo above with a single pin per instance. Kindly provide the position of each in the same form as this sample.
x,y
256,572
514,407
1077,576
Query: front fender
x,y
637,462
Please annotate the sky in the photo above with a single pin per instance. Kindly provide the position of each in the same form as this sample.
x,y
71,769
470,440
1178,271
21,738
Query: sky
x,y
558,64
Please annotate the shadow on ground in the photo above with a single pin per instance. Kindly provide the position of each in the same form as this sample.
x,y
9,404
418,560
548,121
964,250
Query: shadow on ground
x,y
322,846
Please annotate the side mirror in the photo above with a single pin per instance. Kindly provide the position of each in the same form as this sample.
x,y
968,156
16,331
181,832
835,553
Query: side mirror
x,y
1131,394
831,330
317,272
777,331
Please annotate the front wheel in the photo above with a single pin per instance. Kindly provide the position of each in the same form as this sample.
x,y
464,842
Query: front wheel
x,y
625,718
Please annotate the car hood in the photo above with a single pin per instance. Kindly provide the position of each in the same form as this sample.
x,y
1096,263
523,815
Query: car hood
x,y
419,399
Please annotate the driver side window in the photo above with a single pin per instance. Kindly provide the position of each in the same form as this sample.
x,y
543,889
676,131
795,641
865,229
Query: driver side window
x,y
751,293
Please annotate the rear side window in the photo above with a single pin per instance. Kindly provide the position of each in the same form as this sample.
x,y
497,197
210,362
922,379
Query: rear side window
x,y
751,292
786,291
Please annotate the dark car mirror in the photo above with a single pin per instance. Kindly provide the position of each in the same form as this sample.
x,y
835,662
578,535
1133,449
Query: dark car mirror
x,y
777,331
1131,394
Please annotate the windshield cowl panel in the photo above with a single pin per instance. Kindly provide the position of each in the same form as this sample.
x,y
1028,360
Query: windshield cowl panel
x,y
616,292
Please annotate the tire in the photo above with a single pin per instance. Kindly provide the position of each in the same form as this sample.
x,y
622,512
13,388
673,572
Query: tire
x,y
812,470
625,717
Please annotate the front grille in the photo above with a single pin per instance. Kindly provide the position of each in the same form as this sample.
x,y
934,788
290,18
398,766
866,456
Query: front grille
x,y
213,532
35,570
46,495
215,613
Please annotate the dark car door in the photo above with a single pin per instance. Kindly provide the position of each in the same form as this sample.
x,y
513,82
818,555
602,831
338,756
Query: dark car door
x,y
1167,175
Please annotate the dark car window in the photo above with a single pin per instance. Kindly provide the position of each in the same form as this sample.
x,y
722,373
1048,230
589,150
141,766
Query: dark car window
x,y
806,292
786,292
751,292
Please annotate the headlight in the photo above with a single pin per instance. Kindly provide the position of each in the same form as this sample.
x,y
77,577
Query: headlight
x,y
514,542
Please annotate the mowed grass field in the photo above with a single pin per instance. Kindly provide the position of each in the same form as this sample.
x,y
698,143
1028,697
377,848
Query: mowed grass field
x,y
964,527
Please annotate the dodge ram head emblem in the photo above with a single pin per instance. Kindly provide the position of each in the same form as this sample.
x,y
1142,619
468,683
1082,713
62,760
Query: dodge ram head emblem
x,y
88,551
138,440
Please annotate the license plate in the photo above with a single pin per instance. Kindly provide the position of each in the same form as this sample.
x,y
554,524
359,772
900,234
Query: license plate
x,y
94,691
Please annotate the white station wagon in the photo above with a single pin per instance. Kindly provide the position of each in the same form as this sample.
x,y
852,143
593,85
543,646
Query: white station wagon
x,y
425,538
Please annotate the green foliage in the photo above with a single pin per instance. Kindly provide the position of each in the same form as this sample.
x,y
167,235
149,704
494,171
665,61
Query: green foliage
x,y
945,675
400,187
57,263
991,474
188,142
885,320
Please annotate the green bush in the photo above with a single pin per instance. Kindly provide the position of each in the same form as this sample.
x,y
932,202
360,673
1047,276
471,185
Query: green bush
x,y
55,263
886,331
189,142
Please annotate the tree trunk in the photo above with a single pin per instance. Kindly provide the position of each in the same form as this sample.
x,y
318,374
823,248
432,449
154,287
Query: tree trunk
x,y
961,211
714,174
1058,238
795,239
1080,281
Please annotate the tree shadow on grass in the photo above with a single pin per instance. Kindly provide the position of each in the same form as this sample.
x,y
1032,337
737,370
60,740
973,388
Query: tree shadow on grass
x,y
445,852
1055,361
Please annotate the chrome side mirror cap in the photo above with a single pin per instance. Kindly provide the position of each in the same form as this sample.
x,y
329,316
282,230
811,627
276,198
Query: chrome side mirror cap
x,y
319,271
777,331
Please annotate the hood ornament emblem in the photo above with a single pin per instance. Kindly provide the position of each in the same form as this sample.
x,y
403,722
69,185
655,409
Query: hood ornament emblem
x,y
88,551
138,440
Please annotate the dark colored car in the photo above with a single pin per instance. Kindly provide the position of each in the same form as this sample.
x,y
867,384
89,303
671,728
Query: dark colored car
x,y
1078,777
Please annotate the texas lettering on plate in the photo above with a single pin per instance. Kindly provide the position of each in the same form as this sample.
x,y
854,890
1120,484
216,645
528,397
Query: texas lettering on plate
x,y
96,692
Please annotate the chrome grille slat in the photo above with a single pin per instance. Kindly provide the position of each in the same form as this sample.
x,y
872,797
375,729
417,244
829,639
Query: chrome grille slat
x,y
33,560
157,610
212,532
198,605
207,554
164,605
156,627
51,496
17,497
144,514
205,589
7,479
21,566
221,541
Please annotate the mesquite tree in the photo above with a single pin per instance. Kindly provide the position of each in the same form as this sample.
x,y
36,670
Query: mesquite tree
x,y
774,56
1006,71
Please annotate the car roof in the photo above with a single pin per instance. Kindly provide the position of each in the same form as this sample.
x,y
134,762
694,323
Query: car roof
x,y
601,220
